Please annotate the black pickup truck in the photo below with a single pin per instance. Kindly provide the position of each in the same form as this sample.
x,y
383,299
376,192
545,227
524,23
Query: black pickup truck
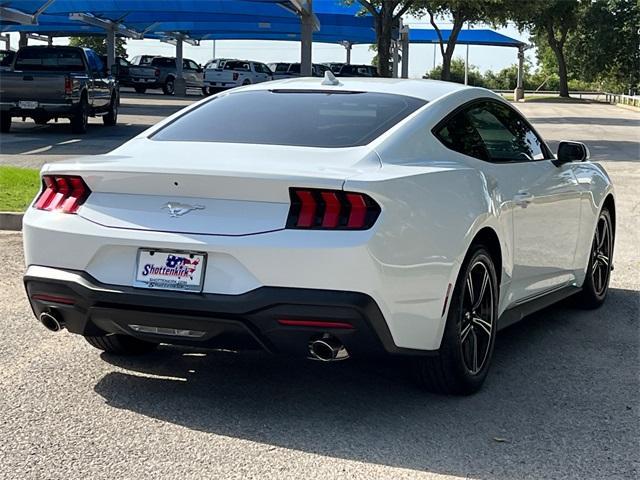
x,y
47,83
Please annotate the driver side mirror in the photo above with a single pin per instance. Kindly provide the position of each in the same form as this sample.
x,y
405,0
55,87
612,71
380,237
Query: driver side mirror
x,y
572,152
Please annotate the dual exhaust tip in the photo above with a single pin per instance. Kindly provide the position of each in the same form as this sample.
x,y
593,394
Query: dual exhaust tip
x,y
51,321
327,349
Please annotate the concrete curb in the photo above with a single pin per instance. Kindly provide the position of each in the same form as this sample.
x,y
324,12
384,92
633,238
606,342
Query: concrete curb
x,y
11,221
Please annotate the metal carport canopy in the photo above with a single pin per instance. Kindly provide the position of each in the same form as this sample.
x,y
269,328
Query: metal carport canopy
x,y
182,19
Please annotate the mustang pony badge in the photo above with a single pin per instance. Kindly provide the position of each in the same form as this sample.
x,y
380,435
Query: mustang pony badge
x,y
177,209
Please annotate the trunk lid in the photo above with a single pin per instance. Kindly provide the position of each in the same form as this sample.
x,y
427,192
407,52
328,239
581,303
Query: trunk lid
x,y
207,188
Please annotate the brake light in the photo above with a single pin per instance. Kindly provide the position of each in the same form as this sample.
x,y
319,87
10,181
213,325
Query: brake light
x,y
156,72
236,75
68,86
331,210
64,193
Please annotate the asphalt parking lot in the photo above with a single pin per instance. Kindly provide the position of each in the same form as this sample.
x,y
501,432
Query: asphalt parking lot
x,y
562,400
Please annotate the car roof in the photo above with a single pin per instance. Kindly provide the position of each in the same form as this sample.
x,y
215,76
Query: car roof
x,y
428,90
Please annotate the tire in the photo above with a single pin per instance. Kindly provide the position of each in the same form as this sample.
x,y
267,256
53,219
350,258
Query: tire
x,y
5,122
246,82
206,91
458,368
596,283
121,344
169,87
111,118
140,89
80,121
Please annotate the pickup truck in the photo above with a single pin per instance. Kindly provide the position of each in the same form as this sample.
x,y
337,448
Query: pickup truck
x,y
58,82
140,77
167,67
225,73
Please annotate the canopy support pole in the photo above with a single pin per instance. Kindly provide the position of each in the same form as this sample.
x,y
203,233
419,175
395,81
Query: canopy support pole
x,y
434,56
396,58
7,41
347,46
307,24
180,86
50,41
404,37
24,40
466,67
518,93
111,48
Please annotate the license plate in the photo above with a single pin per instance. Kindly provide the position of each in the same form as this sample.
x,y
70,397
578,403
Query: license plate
x,y
168,270
27,105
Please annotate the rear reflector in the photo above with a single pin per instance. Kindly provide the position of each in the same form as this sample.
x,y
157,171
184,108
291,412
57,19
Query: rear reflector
x,y
64,193
45,297
314,324
331,210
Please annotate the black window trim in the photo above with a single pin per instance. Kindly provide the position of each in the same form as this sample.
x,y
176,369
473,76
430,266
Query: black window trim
x,y
548,155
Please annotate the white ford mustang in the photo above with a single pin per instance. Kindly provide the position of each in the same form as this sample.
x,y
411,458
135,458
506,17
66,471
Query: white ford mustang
x,y
323,219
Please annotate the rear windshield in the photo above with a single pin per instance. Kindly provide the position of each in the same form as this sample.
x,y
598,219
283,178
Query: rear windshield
x,y
50,59
286,117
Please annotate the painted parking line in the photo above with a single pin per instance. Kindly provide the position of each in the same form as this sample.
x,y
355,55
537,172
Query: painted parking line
x,y
67,142
37,150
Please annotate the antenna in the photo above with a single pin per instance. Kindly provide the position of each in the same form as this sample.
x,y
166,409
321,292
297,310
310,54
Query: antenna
x,y
330,79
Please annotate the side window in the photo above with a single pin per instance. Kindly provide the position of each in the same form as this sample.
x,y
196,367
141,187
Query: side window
x,y
506,135
460,136
493,132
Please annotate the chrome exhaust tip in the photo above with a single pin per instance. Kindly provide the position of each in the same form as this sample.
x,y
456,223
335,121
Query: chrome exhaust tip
x,y
51,321
327,349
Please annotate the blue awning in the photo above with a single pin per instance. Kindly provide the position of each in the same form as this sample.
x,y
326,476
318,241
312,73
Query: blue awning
x,y
466,37
224,20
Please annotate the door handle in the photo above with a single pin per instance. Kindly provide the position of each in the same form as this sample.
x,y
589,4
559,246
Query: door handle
x,y
522,198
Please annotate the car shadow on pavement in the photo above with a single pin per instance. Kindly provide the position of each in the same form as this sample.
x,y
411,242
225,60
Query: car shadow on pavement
x,y
561,401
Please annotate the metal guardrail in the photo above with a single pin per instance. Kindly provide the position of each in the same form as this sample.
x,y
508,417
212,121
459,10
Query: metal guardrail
x,y
632,100
614,98
573,93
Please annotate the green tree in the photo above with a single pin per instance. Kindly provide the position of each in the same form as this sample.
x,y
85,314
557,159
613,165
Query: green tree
x,y
99,44
550,23
456,74
460,12
386,15
605,46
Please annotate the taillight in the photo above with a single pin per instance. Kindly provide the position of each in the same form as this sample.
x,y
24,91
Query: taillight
x,y
68,86
64,193
331,210
156,72
236,75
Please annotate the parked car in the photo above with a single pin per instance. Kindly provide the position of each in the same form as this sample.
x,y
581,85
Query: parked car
x,y
140,77
224,73
409,218
291,70
52,82
348,70
191,72
6,59
334,66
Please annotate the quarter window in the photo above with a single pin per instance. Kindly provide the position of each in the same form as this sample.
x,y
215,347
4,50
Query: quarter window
x,y
491,131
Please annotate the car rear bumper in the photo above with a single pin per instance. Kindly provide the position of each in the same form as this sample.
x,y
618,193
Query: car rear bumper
x,y
44,108
261,318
